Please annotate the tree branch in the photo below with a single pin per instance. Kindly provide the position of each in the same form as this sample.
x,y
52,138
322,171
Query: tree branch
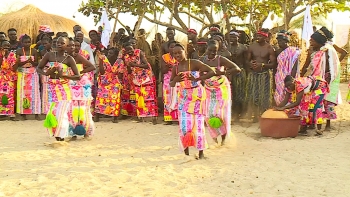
x,y
177,17
122,24
155,21
206,26
192,16
298,12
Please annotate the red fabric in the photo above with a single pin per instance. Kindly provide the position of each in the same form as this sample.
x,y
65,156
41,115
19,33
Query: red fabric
x,y
192,31
263,34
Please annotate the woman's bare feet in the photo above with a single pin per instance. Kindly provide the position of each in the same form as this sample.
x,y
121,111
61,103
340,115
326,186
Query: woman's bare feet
x,y
168,123
73,138
115,119
97,118
319,132
187,151
216,140
24,117
201,155
154,120
37,117
13,119
223,137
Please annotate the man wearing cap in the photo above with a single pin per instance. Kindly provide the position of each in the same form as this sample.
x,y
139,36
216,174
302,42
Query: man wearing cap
x,y
192,42
214,29
238,56
261,59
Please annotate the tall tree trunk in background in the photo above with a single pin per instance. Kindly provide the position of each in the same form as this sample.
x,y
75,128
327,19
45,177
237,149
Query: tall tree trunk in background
x,y
226,16
138,23
114,27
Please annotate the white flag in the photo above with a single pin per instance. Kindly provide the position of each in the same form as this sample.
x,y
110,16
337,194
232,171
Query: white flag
x,y
307,27
106,29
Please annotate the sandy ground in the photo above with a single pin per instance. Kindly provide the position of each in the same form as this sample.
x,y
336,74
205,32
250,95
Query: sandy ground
x,y
140,159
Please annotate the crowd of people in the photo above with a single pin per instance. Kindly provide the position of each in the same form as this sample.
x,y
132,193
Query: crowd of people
x,y
74,81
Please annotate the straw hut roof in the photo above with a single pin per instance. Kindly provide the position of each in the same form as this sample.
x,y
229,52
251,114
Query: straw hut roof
x,y
28,19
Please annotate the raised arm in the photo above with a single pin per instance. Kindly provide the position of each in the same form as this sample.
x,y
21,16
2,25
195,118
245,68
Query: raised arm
x,y
342,52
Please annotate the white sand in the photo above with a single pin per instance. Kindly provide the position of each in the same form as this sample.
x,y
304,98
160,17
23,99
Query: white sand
x,y
140,159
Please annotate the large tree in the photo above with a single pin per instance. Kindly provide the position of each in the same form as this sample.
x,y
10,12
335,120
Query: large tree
x,y
251,12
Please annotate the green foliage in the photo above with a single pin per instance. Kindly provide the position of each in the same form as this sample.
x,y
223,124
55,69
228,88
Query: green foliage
x,y
203,11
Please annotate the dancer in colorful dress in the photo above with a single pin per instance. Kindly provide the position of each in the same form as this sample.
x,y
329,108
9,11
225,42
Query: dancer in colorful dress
x,y
57,78
169,93
217,106
8,80
28,86
191,100
326,65
306,95
81,89
109,86
287,64
142,97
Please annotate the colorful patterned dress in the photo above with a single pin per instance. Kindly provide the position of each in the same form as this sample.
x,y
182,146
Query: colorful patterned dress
x,y
67,111
191,101
8,82
139,96
169,93
218,102
333,98
85,54
286,60
28,89
81,102
311,106
108,93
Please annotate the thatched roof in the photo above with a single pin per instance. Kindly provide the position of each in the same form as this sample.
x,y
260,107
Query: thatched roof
x,y
28,19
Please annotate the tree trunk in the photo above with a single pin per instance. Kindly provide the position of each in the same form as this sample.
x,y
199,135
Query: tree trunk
x,y
138,23
114,27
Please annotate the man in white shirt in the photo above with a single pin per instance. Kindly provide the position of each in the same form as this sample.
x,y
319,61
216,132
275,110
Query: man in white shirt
x,y
79,35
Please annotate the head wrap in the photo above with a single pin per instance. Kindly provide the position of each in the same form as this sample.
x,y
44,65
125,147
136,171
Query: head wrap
x,y
44,28
235,33
320,37
265,34
329,34
284,35
192,31
214,29
201,43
